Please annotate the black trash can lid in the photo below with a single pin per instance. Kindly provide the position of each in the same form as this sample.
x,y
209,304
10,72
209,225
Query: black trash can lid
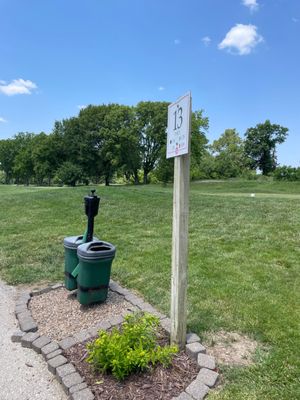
x,y
72,242
96,250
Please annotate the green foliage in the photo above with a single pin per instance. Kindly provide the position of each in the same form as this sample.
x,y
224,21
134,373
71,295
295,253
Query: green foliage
x,y
110,140
23,168
249,174
206,168
103,141
129,155
287,173
46,157
150,125
7,157
164,171
69,174
199,142
2,177
130,349
30,158
260,145
228,152
117,147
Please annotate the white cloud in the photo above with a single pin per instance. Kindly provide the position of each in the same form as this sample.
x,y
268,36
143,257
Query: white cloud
x,y
177,41
81,107
3,119
17,86
251,4
206,40
241,39
161,88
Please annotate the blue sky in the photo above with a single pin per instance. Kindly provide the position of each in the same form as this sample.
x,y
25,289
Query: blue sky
x,y
239,58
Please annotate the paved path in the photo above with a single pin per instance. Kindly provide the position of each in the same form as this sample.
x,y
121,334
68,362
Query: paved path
x,y
23,373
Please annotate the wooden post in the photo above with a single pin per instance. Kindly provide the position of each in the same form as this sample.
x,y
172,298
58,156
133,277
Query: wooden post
x,y
180,247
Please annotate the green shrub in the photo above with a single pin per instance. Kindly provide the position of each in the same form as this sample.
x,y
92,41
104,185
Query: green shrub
x,y
68,174
249,174
132,348
287,173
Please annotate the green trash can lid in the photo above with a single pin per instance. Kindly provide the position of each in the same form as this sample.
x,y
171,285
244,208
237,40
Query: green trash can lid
x,y
96,250
72,242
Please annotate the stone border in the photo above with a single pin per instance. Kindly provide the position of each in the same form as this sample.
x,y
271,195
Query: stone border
x,y
72,382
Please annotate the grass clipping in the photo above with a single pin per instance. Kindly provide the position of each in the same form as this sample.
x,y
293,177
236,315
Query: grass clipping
x,y
131,348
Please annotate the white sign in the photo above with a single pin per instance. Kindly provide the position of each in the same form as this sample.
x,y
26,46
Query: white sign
x,y
179,114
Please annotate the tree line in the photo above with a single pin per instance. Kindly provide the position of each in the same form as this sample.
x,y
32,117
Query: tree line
x,y
108,142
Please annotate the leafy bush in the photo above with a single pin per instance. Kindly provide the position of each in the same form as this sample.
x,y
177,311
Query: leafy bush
x,y
68,174
249,174
287,173
134,347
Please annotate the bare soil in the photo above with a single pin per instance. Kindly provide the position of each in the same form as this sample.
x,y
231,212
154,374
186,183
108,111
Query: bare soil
x,y
157,383
231,348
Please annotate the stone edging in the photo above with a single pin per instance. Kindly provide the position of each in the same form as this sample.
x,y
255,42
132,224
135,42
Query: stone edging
x,y
72,382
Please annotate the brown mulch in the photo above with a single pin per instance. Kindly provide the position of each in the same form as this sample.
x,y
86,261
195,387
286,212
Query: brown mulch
x,y
158,383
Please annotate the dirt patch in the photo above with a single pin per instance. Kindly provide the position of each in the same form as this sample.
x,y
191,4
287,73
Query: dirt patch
x,y
155,384
231,348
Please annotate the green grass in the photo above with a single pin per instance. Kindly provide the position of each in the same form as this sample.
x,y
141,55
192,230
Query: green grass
x,y
244,261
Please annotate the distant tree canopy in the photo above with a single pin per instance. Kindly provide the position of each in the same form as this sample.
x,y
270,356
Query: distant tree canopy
x,y
228,151
260,145
107,142
100,143
8,153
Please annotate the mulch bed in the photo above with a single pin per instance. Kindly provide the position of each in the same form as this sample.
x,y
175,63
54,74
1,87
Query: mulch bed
x,y
158,383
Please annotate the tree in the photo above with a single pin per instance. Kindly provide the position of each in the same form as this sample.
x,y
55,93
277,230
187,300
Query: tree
x,y
69,173
228,151
164,170
207,167
151,125
23,169
77,147
46,157
129,153
108,140
8,153
118,146
199,142
260,145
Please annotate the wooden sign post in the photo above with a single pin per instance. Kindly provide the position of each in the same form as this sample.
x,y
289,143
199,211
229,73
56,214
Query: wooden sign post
x,y
178,146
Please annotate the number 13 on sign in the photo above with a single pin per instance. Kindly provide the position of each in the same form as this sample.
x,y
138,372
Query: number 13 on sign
x,y
178,126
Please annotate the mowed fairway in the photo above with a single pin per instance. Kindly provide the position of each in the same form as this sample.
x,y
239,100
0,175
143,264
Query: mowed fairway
x,y
244,261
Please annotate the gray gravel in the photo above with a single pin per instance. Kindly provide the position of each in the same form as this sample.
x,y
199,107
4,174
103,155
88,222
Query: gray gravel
x,y
23,373
59,314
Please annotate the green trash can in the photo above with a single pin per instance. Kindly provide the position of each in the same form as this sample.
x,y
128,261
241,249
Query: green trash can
x,y
71,260
95,260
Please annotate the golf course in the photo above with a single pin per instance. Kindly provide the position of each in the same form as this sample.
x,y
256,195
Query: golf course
x,y
244,262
